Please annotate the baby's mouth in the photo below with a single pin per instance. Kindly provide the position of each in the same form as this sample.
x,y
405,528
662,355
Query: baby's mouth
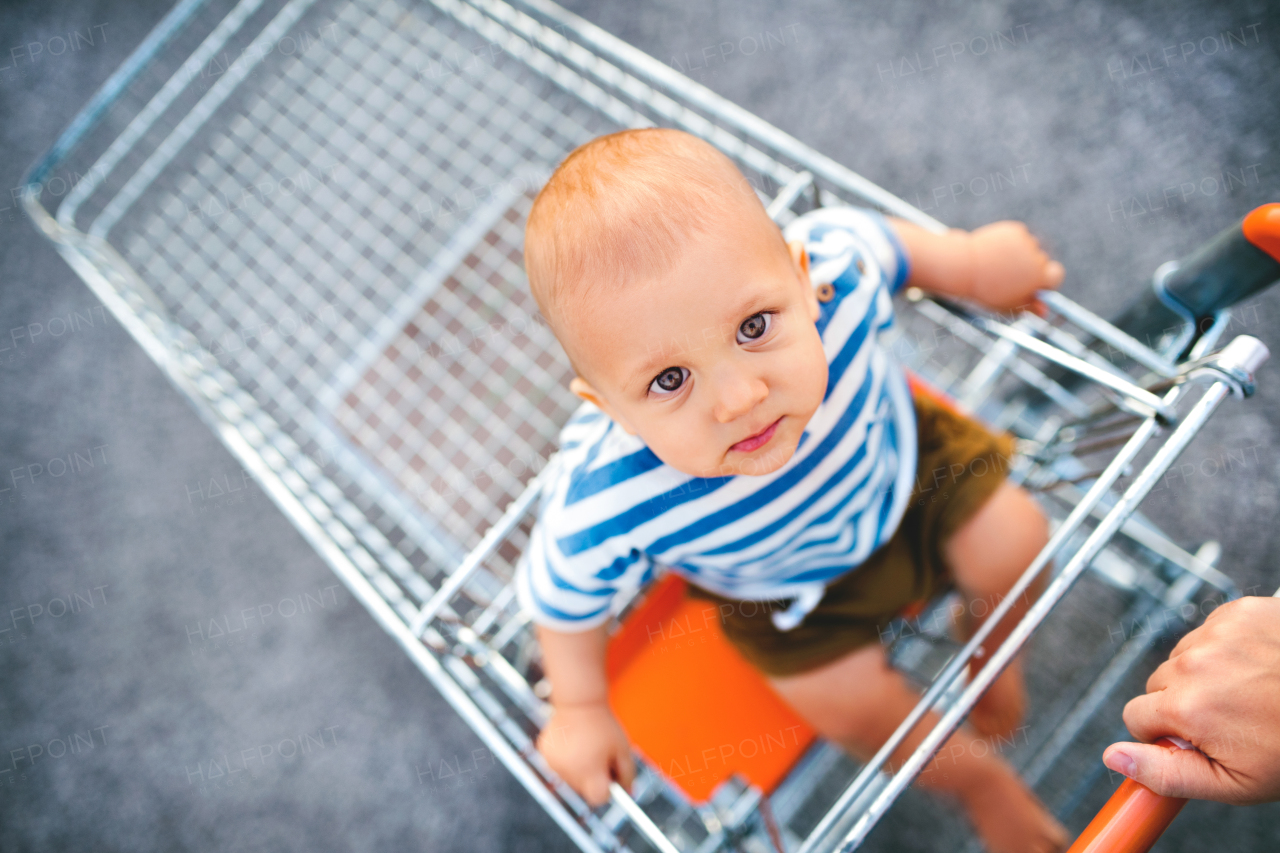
x,y
758,440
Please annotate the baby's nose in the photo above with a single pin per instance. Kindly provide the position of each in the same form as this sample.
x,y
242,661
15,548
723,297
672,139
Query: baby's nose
x,y
740,392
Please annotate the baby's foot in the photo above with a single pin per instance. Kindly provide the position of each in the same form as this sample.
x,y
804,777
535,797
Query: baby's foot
x,y
1009,819
1001,708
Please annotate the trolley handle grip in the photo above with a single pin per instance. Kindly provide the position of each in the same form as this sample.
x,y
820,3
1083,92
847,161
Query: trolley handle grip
x,y
1133,819
1237,263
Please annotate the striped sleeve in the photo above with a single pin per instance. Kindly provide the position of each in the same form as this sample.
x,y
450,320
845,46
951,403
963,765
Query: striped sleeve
x,y
837,237
558,594
565,588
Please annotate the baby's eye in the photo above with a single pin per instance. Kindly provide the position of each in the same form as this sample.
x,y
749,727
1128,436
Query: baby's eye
x,y
669,380
754,327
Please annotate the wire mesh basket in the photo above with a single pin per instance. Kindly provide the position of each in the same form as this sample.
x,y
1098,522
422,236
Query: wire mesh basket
x,y
310,215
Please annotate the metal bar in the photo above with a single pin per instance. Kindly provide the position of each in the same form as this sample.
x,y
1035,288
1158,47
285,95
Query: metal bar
x,y
534,43
519,742
652,833
509,631
492,539
818,760
491,613
1159,544
833,832
1107,333
172,24
984,375
1129,654
789,193
731,113
434,541
159,102
500,670
1116,382
442,265
1064,340
1094,445
952,719
200,113
933,309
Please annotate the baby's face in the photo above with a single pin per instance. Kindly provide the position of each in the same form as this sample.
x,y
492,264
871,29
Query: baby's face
x,y
716,364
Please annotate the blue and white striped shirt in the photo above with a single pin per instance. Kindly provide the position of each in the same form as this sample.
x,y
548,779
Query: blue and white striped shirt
x,y
612,513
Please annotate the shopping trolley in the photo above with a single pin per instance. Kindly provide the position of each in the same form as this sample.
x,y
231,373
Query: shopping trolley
x,y
309,213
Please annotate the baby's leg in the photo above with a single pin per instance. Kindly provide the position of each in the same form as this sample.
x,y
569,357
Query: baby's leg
x,y
987,555
858,701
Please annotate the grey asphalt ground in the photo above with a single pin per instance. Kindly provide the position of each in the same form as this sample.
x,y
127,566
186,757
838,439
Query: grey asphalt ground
x,y
118,714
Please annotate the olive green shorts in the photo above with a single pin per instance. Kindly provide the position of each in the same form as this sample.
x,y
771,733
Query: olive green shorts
x,y
960,465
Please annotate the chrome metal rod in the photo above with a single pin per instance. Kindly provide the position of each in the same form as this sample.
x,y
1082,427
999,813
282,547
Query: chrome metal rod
x,y
789,193
957,665
1097,540
1144,534
1116,382
955,319
1132,651
652,833
635,60
974,389
492,538
256,51
1107,333
143,55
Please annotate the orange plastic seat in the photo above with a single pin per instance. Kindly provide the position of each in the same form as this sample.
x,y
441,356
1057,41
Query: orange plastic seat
x,y
925,389
691,704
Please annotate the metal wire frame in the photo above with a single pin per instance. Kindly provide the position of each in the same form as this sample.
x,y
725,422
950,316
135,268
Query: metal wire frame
x,y
462,615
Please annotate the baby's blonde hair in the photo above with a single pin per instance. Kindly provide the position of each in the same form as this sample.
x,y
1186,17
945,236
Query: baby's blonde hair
x,y
621,207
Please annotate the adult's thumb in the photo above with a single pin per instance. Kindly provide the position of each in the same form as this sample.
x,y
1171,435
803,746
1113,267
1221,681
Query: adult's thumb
x,y
1167,771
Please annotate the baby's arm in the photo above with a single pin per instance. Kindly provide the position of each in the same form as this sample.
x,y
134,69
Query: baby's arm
x,y
999,265
583,742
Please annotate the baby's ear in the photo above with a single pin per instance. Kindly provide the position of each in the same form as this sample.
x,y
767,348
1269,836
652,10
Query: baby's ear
x,y
584,389
800,260
799,257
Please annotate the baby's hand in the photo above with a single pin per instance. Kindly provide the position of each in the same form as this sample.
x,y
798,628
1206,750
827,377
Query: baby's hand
x,y
586,747
1009,267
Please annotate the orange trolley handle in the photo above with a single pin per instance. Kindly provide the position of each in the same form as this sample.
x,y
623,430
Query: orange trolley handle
x,y
1236,264
1133,819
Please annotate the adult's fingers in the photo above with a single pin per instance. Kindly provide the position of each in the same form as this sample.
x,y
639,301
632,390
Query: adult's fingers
x,y
1188,640
1148,717
1161,678
1171,772
1164,674
1230,611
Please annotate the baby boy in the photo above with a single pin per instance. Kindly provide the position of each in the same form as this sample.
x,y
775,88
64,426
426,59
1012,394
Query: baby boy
x,y
745,428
